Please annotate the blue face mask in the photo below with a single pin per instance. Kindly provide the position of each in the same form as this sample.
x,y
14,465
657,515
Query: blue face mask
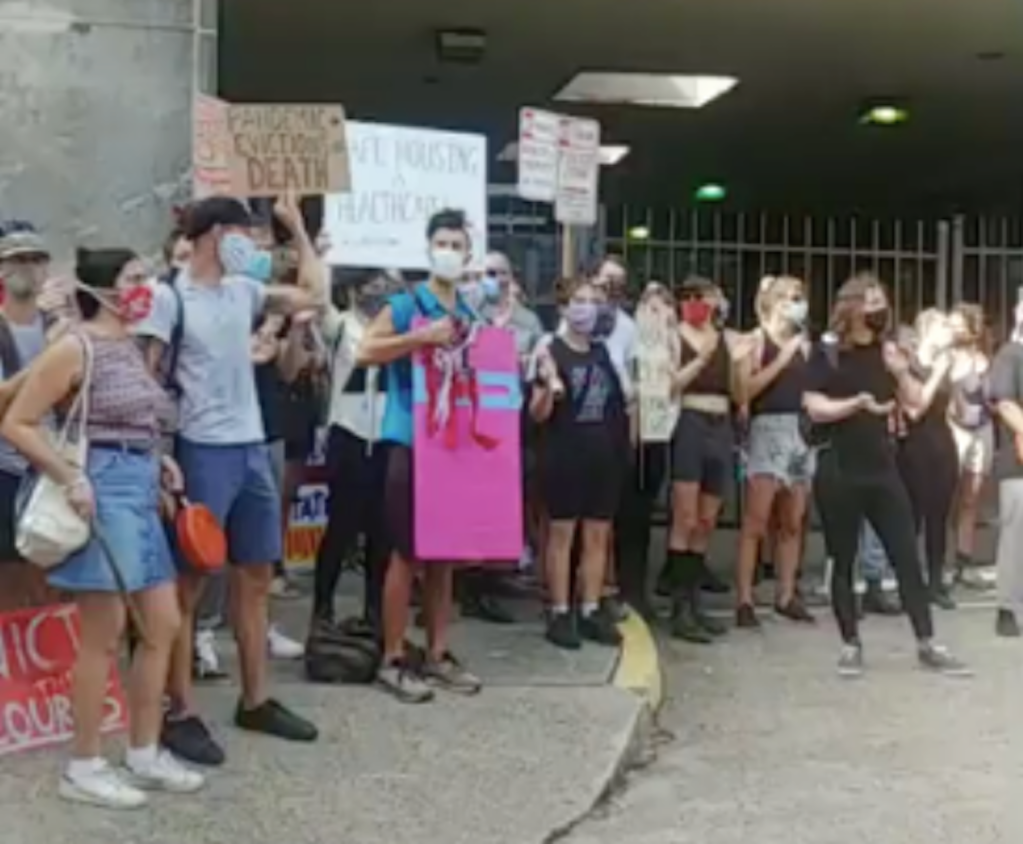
x,y
261,265
240,256
477,294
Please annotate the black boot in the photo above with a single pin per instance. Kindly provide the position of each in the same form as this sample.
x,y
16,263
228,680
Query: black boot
x,y
1006,625
685,620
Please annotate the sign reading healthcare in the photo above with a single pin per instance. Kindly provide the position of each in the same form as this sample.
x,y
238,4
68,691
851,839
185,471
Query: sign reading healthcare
x,y
37,652
400,176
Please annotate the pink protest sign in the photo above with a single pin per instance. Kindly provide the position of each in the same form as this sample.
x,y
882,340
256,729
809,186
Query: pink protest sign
x,y
466,454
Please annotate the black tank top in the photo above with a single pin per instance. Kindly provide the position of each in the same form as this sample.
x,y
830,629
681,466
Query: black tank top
x,y
357,380
785,393
715,379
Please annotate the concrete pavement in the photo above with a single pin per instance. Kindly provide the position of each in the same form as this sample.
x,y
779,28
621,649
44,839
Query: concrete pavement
x,y
771,746
523,761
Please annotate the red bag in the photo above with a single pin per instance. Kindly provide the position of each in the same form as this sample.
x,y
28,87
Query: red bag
x,y
200,537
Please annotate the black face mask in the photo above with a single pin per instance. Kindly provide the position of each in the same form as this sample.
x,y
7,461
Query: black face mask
x,y
371,303
607,316
876,321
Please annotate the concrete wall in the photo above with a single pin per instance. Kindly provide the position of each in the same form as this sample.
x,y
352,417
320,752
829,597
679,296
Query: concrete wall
x,y
95,117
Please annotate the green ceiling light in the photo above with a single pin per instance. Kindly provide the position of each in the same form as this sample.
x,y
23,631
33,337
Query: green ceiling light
x,y
710,193
884,114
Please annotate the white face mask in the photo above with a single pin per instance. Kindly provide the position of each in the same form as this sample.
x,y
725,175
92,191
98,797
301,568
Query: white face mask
x,y
447,264
795,312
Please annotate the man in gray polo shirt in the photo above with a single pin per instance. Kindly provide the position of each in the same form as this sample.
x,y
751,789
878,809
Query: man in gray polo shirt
x,y
221,447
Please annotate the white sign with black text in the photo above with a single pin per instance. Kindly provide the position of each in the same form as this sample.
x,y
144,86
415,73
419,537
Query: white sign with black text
x,y
539,145
578,173
401,176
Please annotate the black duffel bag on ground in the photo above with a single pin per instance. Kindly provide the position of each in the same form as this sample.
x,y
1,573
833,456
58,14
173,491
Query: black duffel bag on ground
x,y
347,652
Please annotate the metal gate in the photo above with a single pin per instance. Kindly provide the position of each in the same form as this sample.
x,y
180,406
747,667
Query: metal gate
x,y
737,250
987,267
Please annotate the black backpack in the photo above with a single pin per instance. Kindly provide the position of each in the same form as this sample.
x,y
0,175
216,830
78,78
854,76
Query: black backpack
x,y
346,653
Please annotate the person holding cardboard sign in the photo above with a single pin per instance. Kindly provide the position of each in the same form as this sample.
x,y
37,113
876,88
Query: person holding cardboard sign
x,y
221,446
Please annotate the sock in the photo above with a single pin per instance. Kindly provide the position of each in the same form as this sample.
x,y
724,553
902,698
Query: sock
x,y
78,768
560,609
141,757
589,609
684,566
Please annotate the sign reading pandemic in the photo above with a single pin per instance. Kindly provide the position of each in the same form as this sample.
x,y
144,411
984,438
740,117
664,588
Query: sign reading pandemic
x,y
266,150
37,653
400,176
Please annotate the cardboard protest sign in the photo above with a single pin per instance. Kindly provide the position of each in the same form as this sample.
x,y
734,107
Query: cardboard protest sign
x,y
279,148
37,652
657,350
402,175
211,145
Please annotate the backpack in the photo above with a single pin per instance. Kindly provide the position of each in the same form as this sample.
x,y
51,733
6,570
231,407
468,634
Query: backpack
x,y
347,653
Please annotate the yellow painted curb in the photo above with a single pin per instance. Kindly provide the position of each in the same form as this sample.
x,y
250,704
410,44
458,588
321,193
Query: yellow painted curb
x,y
639,666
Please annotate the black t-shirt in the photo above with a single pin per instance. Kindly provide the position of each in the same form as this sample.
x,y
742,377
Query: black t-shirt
x,y
784,395
1005,383
590,416
861,442
273,400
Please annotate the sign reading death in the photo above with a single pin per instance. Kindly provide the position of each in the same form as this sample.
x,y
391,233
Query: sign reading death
x,y
37,653
279,148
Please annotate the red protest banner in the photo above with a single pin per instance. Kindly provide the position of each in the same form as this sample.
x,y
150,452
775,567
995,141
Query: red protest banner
x,y
37,653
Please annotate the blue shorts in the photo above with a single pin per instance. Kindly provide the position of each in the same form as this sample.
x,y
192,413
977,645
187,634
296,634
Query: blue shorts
x,y
237,483
127,489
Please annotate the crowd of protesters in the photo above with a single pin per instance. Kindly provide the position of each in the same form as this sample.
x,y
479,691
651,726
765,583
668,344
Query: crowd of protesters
x,y
206,380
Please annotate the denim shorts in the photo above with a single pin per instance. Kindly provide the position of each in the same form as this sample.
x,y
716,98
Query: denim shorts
x,y
127,489
237,483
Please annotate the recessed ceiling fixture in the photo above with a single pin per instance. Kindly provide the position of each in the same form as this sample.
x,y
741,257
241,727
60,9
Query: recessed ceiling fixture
x,y
610,154
710,192
464,46
655,90
639,233
884,114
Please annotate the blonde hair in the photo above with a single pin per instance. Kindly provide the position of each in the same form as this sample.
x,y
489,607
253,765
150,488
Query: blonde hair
x,y
925,322
773,289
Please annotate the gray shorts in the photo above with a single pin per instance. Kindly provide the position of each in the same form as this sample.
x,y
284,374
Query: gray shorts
x,y
777,450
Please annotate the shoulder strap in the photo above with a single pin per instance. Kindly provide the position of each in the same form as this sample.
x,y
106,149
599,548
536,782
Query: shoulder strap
x,y
177,334
9,357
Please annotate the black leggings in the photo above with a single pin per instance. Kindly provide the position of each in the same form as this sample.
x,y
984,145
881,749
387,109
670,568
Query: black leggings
x,y
356,508
643,481
844,501
929,465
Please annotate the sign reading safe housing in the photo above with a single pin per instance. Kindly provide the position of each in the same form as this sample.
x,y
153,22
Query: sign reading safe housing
x,y
37,652
279,148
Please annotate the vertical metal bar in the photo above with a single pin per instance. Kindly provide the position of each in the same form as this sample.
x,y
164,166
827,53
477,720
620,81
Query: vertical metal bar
x,y
1003,278
740,275
830,284
785,241
717,247
957,257
763,246
982,255
897,235
649,244
942,271
671,280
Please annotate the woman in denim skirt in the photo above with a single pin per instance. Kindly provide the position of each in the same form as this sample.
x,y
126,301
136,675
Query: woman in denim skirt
x,y
121,491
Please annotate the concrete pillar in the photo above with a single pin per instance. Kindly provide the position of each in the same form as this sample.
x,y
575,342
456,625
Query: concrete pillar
x,y
95,115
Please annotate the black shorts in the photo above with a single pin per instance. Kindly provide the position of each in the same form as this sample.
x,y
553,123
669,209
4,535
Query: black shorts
x,y
9,486
399,505
702,451
582,484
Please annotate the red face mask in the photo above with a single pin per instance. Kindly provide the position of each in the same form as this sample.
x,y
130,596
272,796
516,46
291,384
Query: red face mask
x,y
135,303
696,311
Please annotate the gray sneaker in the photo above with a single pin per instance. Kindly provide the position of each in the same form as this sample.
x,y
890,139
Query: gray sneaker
x,y
448,673
940,660
403,682
850,661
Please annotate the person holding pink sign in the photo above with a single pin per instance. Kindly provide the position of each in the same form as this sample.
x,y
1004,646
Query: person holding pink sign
x,y
430,315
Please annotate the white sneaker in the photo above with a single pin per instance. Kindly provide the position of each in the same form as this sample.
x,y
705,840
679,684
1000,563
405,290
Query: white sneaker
x,y
207,660
97,784
164,773
283,647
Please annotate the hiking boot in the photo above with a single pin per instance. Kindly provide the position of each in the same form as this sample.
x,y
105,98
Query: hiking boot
x,y
1006,625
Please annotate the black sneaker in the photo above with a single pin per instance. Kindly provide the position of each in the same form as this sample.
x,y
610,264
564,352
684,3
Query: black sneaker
x,y
746,617
273,719
600,627
562,632
795,610
486,608
613,607
1006,625
189,739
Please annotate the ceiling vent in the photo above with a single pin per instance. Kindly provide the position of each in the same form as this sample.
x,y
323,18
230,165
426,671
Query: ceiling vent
x,y
461,46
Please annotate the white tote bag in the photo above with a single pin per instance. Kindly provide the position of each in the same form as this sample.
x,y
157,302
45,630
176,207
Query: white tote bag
x,y
48,528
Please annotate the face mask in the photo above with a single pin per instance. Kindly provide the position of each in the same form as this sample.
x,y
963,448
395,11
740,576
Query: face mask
x,y
447,264
876,321
261,266
795,312
480,293
132,305
695,312
607,316
23,281
238,254
371,303
581,317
